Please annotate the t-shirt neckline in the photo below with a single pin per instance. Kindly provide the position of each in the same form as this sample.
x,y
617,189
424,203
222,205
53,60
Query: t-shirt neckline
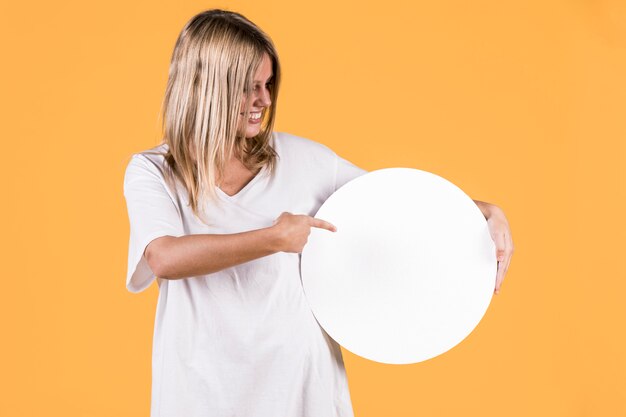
x,y
250,183
245,187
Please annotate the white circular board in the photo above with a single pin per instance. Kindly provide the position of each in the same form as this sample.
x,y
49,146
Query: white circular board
x,y
410,271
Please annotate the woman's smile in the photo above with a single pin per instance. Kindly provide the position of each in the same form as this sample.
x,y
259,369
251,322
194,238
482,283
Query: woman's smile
x,y
255,117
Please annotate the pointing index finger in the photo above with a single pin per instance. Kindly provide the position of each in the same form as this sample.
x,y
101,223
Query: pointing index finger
x,y
322,224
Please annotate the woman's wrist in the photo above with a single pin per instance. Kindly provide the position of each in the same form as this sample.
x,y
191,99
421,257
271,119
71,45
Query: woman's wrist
x,y
274,238
488,210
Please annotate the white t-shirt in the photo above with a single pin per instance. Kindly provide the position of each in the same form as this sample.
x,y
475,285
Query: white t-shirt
x,y
240,342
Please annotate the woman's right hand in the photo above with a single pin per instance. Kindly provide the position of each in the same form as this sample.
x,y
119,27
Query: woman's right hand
x,y
293,230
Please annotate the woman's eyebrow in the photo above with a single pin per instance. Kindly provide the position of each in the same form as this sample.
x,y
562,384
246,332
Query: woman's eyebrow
x,y
271,77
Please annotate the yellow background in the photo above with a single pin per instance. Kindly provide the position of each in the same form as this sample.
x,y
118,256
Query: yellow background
x,y
519,103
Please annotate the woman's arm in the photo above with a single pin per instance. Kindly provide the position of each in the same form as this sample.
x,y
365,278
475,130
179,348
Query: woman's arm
x,y
191,255
172,257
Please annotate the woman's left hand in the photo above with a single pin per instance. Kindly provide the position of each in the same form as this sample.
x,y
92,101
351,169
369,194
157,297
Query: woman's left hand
x,y
501,235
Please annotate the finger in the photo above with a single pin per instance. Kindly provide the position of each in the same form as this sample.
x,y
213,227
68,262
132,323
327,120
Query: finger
x,y
501,255
499,277
509,243
503,266
322,224
500,242
283,214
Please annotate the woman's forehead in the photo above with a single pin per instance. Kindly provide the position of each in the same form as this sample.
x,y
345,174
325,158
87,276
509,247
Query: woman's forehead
x,y
264,71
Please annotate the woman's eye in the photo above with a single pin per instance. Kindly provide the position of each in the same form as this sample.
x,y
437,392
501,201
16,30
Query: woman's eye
x,y
258,87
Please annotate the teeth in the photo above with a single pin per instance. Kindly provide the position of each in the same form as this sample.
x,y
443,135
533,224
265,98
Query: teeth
x,y
255,116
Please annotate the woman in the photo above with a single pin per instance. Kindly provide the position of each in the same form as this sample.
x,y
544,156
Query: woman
x,y
210,214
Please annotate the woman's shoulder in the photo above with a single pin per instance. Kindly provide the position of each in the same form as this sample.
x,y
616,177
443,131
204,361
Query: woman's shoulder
x,y
155,154
288,142
152,159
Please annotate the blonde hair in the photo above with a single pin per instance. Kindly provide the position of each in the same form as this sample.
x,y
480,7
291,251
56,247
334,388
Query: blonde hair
x,y
213,64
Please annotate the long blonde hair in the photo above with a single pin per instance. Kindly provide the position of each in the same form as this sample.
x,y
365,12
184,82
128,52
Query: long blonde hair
x,y
213,64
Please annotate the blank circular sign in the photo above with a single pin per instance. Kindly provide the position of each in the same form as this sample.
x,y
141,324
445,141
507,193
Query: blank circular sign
x,y
410,271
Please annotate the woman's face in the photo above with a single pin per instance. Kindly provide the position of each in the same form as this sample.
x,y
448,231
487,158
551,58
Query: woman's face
x,y
259,99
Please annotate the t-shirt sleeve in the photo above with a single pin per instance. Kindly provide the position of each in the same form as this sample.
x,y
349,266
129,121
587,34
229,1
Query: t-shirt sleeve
x,y
152,213
345,171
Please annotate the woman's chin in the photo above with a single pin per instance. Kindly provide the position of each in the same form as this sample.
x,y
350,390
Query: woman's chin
x,y
250,133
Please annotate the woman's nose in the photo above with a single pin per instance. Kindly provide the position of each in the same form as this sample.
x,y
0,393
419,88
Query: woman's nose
x,y
263,99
